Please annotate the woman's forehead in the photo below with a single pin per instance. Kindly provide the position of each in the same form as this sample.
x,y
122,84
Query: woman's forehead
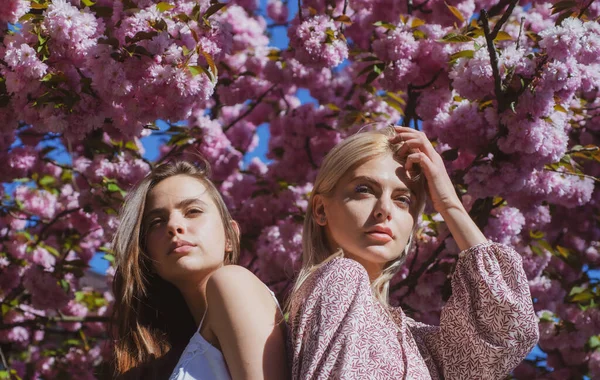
x,y
178,187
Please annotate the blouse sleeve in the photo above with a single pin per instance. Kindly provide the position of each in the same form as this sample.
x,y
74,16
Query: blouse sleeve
x,y
330,339
488,325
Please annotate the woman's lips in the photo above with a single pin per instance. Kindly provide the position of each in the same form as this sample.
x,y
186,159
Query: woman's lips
x,y
183,249
181,246
379,236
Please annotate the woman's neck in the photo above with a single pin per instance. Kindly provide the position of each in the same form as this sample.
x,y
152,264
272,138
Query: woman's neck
x,y
194,294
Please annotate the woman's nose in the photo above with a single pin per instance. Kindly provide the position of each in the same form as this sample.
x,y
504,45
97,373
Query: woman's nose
x,y
383,210
175,226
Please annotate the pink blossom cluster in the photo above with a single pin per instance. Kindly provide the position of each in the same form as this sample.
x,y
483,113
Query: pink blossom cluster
x,y
520,146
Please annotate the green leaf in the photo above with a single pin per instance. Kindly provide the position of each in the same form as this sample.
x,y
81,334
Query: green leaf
x,y
140,36
197,70
560,108
503,36
64,284
5,309
455,12
113,187
453,37
343,19
52,250
108,257
384,24
164,6
211,64
564,252
594,342
536,234
583,297
462,54
547,316
213,9
88,3
152,127
47,180
563,5
416,22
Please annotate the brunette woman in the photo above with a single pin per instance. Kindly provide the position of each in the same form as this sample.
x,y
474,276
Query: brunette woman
x,y
182,308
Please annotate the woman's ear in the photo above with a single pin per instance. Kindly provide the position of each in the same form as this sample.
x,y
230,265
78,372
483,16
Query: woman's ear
x,y
229,243
318,209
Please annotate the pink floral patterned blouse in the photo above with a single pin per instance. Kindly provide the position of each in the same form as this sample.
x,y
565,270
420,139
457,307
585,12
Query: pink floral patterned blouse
x,y
340,331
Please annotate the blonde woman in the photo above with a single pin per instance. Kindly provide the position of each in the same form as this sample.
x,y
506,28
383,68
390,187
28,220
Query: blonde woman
x,y
181,307
360,221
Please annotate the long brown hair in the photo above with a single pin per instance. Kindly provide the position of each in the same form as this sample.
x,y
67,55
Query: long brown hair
x,y
348,154
151,321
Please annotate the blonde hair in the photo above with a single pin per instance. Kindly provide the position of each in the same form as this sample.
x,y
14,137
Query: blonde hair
x,y
347,155
150,317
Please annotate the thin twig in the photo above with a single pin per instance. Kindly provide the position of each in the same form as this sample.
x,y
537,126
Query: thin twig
x,y
494,61
250,109
574,174
496,9
4,362
42,234
585,9
520,32
309,153
413,278
63,319
504,18
300,17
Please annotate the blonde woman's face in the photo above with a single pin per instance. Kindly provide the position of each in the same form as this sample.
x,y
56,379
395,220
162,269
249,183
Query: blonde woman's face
x,y
185,237
370,213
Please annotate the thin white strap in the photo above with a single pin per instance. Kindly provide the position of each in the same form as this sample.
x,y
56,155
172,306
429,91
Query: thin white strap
x,y
275,298
202,320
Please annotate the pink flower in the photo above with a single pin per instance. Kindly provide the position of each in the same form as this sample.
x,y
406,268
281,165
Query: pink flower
x,y
24,59
396,45
42,257
317,42
12,10
277,11
279,250
505,225
37,202
472,77
44,289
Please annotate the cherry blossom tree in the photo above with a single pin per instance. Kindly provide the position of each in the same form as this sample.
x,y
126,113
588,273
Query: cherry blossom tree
x,y
506,90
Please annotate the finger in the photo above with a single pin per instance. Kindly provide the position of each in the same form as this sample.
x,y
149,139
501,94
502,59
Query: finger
x,y
417,140
409,144
416,161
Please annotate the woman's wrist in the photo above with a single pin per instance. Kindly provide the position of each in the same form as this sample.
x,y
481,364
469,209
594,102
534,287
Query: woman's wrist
x,y
463,229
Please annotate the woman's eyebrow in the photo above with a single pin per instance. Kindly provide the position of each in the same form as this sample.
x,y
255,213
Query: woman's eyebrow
x,y
366,178
181,204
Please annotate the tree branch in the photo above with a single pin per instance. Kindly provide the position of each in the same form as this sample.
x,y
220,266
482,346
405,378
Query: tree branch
x,y
413,278
504,18
499,91
39,320
585,9
44,230
250,109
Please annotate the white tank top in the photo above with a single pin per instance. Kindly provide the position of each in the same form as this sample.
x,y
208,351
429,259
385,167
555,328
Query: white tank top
x,y
201,360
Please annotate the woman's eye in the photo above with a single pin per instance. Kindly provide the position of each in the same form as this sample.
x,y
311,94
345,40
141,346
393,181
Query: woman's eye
x,y
154,223
404,199
194,211
362,189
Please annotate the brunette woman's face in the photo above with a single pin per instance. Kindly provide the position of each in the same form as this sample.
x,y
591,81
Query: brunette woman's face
x,y
370,213
185,237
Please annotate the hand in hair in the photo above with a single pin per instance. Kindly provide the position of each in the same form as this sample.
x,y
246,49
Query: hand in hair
x,y
418,151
